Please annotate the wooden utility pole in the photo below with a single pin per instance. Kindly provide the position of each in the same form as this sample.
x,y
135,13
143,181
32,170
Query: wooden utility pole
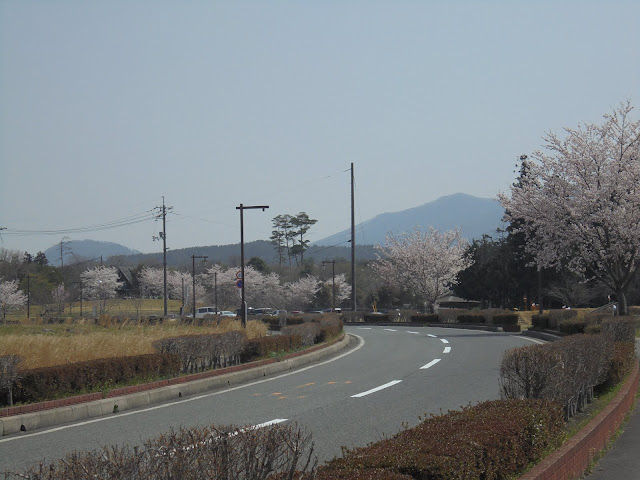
x,y
353,243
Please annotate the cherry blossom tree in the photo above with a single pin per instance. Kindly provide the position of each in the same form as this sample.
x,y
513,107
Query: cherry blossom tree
x,y
224,280
300,294
424,264
579,202
60,296
151,282
262,290
100,283
11,297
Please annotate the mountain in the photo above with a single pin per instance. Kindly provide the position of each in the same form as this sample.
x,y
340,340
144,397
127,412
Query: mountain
x,y
230,254
475,216
77,250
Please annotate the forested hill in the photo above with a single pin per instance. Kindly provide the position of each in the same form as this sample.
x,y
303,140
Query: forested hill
x,y
230,254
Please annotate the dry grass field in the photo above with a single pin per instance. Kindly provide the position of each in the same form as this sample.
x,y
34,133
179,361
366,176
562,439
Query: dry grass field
x,y
42,345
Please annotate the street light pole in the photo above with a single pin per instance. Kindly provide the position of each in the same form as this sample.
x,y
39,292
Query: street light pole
x,y
193,275
243,307
333,280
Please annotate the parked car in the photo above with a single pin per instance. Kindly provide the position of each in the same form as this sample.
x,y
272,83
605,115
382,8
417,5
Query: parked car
x,y
227,313
262,311
277,313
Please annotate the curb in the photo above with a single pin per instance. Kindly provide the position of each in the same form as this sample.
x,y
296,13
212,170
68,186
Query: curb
x,y
572,459
113,404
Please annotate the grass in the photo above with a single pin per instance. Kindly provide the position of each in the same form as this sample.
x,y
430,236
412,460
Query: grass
x,y
49,345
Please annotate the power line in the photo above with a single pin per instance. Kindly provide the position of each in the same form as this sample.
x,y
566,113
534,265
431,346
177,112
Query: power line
x,y
123,222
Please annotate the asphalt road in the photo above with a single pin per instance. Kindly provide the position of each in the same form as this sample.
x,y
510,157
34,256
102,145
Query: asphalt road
x,y
388,378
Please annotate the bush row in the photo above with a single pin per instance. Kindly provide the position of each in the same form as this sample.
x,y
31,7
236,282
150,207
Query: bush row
x,y
566,322
566,371
186,354
40,384
280,452
491,440
204,352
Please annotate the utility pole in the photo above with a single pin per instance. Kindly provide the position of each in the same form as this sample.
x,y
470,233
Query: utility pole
x,y
193,274
353,243
28,297
163,235
243,308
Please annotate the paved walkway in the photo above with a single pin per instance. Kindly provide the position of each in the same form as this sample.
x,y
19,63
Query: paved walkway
x,y
622,460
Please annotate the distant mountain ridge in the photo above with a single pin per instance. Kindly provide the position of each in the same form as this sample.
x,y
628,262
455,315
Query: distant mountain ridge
x,y
78,250
473,215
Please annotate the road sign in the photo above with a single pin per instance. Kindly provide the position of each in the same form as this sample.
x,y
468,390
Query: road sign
x,y
239,284
239,274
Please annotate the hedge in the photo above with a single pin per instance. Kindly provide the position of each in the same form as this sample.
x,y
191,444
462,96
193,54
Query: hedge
x,y
472,318
40,384
492,440
425,318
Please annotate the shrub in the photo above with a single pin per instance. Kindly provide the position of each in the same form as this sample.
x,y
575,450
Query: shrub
x,y
572,326
540,321
350,316
228,452
621,363
47,383
505,319
472,318
450,315
264,346
202,352
495,439
425,318
566,371
376,318
619,329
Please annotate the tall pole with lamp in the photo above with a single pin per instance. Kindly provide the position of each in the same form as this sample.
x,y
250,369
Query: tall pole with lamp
x,y
241,280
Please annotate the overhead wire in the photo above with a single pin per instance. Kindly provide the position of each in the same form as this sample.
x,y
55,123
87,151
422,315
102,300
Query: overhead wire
x,y
130,220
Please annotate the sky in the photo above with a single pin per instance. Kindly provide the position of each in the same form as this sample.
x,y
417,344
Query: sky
x,y
107,107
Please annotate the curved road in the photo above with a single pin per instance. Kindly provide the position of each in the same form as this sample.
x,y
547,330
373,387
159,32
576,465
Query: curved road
x,y
387,379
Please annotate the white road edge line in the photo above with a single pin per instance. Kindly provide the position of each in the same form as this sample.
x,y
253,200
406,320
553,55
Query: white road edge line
x,y
271,422
377,389
188,399
390,330
430,364
534,340
415,333
446,349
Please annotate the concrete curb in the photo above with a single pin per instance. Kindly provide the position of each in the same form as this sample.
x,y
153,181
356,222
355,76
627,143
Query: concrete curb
x,y
112,405
572,459
549,337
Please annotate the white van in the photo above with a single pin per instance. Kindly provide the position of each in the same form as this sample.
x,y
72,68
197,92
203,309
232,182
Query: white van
x,y
202,311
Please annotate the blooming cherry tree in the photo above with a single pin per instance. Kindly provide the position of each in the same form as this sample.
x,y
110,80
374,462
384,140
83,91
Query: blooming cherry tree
x,y
299,294
11,297
424,264
100,283
579,201
60,296
151,282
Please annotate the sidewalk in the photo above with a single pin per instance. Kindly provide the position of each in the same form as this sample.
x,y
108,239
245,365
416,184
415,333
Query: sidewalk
x,y
622,461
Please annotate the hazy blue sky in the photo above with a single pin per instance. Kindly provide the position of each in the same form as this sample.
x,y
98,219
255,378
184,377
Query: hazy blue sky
x,y
107,106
